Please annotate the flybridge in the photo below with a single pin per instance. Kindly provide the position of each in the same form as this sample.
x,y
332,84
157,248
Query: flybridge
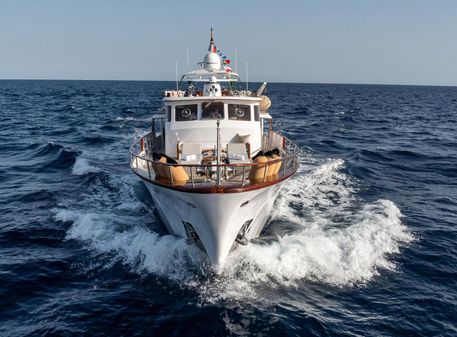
x,y
204,75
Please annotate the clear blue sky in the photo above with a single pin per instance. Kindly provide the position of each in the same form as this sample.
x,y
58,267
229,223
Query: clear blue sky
x,y
364,41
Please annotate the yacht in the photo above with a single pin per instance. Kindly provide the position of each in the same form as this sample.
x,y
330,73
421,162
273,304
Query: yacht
x,y
212,162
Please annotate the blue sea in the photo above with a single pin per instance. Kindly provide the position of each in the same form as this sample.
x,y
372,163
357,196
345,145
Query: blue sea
x,y
362,241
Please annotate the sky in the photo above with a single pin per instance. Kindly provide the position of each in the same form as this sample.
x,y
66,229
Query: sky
x,y
315,41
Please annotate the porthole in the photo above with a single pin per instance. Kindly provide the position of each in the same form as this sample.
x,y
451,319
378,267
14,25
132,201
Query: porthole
x,y
239,112
186,113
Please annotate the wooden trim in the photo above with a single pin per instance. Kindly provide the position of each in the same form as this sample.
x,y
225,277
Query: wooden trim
x,y
211,188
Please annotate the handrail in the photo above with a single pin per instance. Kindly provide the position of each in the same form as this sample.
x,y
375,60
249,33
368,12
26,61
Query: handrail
x,y
137,142
202,174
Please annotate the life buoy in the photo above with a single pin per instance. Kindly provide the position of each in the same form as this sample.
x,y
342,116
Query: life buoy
x,y
265,103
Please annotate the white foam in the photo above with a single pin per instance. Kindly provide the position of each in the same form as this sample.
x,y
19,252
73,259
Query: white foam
x,y
339,256
337,239
136,246
82,167
130,118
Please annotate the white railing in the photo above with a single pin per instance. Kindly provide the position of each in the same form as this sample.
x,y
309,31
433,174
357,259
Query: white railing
x,y
204,176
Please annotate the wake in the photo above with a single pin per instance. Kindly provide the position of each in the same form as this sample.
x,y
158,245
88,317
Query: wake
x,y
334,237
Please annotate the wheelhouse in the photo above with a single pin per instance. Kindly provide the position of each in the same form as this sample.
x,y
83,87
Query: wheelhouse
x,y
193,119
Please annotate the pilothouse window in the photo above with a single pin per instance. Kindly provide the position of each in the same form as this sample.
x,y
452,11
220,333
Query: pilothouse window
x,y
239,112
186,112
213,110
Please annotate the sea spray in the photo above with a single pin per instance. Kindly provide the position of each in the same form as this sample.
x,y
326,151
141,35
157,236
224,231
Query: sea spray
x,y
82,166
336,238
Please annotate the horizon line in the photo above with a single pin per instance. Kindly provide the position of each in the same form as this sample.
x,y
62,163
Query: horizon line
x,y
276,82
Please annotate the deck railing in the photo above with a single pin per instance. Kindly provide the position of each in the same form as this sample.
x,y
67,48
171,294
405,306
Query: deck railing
x,y
204,176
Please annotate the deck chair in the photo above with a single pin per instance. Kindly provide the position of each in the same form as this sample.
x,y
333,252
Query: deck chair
x,y
192,154
237,154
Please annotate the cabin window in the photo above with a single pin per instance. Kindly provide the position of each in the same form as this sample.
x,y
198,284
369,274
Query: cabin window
x,y
239,112
213,110
168,109
186,112
256,113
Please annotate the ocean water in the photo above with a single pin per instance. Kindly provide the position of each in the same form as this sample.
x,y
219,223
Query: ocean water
x,y
362,241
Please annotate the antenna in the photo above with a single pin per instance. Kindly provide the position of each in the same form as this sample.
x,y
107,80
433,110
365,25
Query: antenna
x,y
176,75
236,60
247,78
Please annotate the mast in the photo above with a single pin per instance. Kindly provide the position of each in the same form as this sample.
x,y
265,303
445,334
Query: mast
x,y
211,48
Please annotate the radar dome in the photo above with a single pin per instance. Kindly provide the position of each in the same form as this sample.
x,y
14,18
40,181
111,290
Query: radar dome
x,y
212,62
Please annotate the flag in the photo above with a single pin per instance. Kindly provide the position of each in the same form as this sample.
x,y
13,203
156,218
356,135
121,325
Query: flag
x,y
221,55
228,69
226,61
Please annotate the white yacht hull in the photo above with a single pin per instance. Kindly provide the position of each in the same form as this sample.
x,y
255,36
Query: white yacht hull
x,y
217,218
